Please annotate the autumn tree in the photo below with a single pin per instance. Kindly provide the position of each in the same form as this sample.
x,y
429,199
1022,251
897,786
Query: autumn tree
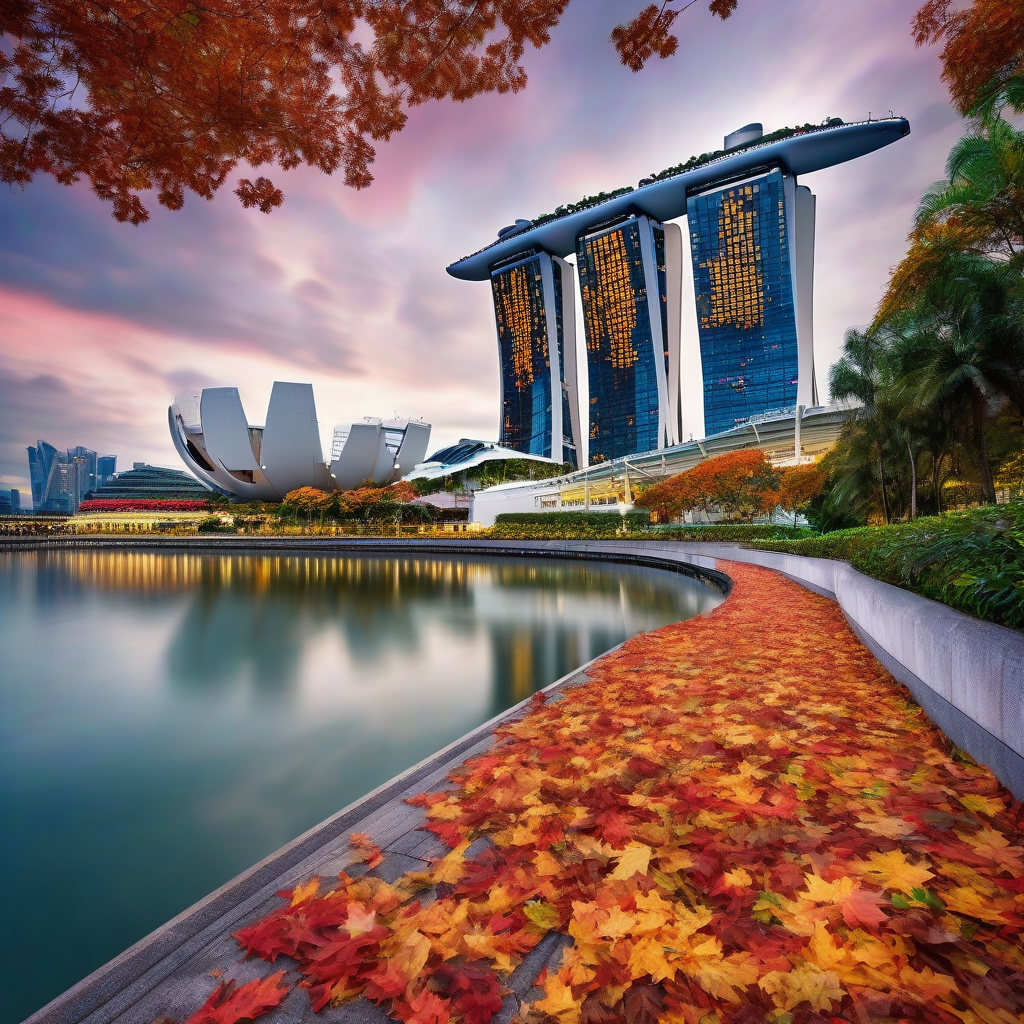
x,y
739,485
982,52
171,96
798,487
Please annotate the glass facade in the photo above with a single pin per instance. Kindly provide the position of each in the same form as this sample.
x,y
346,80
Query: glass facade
x,y
621,361
521,308
746,315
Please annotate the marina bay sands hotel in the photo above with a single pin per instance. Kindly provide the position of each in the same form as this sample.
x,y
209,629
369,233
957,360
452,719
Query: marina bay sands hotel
x,y
751,242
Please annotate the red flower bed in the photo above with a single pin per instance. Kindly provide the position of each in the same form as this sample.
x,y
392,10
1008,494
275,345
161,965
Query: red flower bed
x,y
142,505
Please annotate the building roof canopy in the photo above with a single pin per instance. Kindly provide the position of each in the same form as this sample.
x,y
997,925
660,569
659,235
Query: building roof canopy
x,y
666,199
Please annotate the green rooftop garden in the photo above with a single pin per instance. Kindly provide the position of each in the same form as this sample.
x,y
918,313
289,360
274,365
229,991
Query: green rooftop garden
x,y
670,172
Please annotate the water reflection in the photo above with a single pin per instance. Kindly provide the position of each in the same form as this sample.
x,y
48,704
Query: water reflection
x,y
170,718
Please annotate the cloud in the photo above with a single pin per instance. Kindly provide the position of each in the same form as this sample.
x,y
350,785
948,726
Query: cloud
x,y
347,289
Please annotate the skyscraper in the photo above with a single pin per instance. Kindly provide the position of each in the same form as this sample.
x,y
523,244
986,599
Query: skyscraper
x,y
60,480
535,317
630,281
752,244
752,234
106,467
39,460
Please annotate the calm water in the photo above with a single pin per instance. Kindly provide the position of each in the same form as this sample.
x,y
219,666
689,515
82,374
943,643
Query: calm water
x,y
170,719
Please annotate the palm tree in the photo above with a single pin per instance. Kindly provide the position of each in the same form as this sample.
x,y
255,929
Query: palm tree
x,y
983,191
948,359
864,375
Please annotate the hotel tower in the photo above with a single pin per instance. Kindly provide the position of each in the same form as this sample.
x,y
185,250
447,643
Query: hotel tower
x,y
630,282
751,234
534,312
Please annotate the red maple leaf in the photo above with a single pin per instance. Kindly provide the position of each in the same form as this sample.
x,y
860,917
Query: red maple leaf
x,y
228,1004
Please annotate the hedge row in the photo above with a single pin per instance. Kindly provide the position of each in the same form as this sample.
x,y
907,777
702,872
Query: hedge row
x,y
972,561
733,532
567,525
608,525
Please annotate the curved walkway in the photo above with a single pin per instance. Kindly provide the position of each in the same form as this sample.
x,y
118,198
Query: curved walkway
x,y
741,814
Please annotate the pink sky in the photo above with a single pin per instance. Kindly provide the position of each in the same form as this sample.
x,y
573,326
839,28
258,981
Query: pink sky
x,y
102,323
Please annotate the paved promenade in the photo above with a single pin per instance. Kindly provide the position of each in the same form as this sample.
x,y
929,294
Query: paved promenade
x,y
742,815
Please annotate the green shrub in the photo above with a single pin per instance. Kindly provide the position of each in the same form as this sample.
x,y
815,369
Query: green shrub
x,y
568,525
972,561
732,532
609,526
214,524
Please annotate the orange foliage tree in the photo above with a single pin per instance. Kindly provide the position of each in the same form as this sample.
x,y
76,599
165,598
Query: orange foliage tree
x,y
171,95
312,503
798,487
739,485
983,50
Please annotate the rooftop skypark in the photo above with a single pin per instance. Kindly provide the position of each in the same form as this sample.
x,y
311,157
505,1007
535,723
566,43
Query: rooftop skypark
x,y
802,152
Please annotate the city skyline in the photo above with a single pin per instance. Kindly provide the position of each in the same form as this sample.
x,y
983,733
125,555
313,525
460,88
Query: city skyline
x,y
103,324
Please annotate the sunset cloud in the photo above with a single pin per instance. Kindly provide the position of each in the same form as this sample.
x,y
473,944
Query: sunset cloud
x,y
101,322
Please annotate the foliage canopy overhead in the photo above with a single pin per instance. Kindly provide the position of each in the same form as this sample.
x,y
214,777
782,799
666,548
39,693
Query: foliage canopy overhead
x,y
171,95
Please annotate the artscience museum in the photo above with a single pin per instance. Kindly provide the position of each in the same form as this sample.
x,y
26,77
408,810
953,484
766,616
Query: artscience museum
x,y
263,463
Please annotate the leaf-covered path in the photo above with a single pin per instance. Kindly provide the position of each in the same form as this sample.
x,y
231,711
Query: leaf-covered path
x,y
739,818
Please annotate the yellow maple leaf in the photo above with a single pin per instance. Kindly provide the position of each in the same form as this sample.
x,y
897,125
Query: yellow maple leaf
x,y
738,878
545,864
807,983
575,969
450,867
994,846
618,924
884,825
742,790
586,921
558,1001
723,977
963,900
674,859
687,922
634,859
892,870
822,948
652,912
411,956
987,805
926,984
301,893
648,957
820,891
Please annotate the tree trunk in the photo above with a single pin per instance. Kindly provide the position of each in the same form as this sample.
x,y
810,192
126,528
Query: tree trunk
x,y
988,488
936,493
913,482
885,496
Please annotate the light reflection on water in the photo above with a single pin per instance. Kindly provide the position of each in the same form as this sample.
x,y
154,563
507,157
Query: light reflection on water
x,y
169,719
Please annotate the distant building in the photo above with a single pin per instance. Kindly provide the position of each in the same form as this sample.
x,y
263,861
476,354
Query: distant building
x,y
467,455
106,467
751,231
215,440
10,502
61,480
40,459
142,481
